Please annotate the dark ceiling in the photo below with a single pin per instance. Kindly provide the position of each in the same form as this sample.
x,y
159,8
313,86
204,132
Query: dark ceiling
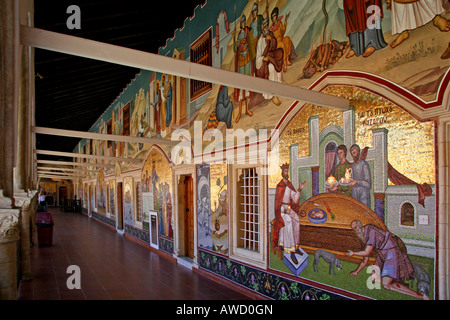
x,y
72,92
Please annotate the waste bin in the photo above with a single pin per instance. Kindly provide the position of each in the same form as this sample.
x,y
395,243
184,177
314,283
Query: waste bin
x,y
44,223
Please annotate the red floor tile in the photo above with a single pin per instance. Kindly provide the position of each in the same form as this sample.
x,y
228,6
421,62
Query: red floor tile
x,y
112,268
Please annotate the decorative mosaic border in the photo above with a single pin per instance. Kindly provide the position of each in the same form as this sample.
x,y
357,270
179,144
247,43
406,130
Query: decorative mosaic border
x,y
104,219
165,245
270,285
140,234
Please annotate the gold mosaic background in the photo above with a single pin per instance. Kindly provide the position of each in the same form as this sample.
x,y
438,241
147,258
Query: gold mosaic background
x,y
217,172
162,168
411,143
49,188
128,190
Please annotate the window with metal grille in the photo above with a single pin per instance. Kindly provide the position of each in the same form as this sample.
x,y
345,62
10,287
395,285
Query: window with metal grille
x,y
126,120
201,53
139,211
249,210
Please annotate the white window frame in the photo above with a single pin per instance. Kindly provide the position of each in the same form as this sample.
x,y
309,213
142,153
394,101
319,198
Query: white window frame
x,y
138,209
255,258
415,219
178,227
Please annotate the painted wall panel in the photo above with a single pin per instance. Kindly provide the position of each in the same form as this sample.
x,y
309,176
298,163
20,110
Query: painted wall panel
x,y
386,68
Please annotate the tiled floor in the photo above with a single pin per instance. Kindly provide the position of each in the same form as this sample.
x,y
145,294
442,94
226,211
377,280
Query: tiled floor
x,y
111,267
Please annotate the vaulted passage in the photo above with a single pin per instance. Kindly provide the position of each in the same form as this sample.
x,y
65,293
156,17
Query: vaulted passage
x,y
258,143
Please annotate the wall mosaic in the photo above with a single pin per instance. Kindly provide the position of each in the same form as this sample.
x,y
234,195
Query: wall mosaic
x,y
318,188
264,283
140,234
101,193
155,104
213,207
314,204
104,219
128,198
156,184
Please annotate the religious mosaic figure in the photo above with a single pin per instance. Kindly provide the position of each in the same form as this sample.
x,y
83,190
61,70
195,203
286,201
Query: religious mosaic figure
x,y
364,40
392,261
284,42
157,106
168,96
362,181
340,170
224,107
269,59
409,15
256,23
286,225
163,111
243,64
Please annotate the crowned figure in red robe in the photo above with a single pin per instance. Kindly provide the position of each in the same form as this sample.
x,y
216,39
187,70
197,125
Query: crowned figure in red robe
x,y
286,224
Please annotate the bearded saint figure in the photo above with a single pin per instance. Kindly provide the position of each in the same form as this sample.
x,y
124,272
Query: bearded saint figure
x,y
392,259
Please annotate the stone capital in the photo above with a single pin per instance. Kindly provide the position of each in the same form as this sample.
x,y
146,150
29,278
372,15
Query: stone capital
x,y
5,202
9,225
23,199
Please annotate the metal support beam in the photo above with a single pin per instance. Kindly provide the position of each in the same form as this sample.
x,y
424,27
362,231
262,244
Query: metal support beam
x,y
77,173
62,43
57,177
67,169
60,174
76,164
107,137
87,156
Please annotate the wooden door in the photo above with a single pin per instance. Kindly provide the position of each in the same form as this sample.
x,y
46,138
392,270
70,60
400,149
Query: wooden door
x,y
189,216
62,196
119,206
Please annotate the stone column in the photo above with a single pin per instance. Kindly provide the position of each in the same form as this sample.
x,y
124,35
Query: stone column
x,y
311,161
9,235
16,152
444,207
28,205
8,102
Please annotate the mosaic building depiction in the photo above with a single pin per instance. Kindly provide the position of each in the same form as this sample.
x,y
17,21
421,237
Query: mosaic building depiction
x,y
343,205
